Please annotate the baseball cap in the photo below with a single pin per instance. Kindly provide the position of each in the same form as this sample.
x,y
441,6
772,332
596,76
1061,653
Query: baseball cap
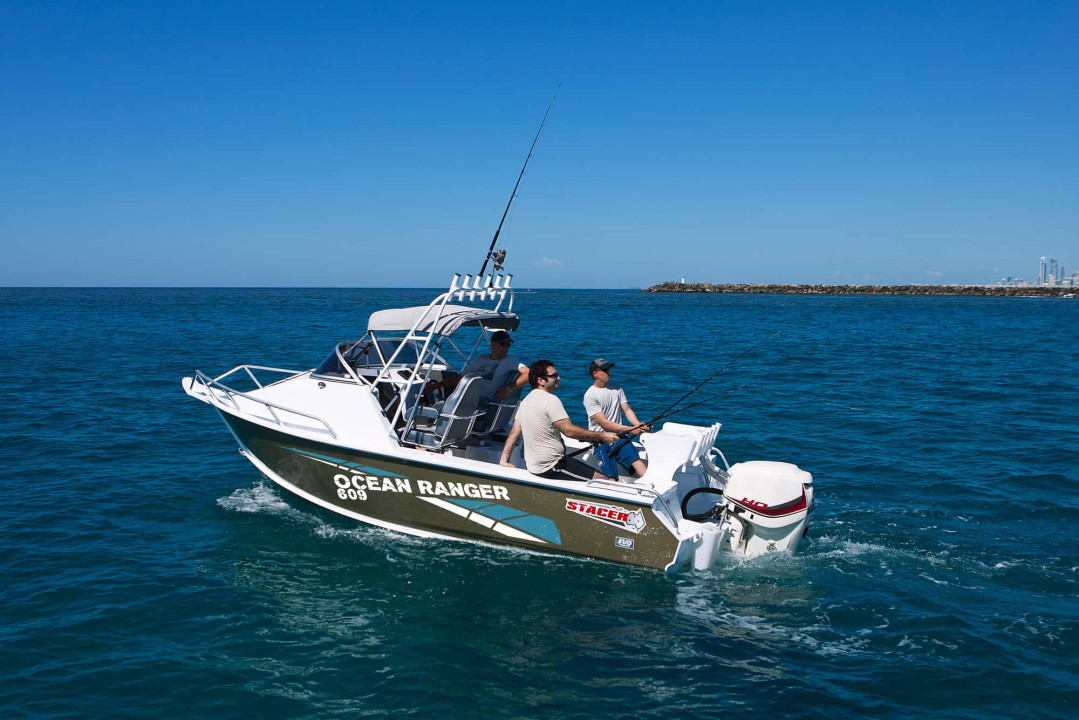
x,y
600,364
502,336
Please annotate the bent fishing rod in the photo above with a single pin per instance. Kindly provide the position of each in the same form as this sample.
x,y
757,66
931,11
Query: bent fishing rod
x,y
666,413
491,250
626,436
673,409
676,411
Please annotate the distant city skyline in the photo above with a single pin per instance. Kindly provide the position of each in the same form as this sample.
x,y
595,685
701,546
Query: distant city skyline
x,y
163,144
1051,273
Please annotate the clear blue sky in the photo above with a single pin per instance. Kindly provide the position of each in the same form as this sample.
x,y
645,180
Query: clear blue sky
x,y
353,144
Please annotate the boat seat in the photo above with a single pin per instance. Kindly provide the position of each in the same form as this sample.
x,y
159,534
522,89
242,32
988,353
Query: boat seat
x,y
455,419
499,416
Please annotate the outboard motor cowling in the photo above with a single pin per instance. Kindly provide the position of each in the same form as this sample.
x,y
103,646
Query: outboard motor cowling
x,y
772,501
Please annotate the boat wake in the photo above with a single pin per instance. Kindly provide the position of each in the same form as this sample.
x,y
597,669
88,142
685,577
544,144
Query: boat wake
x,y
258,499
778,620
833,547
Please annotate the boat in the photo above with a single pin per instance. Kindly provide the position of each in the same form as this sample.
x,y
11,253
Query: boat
x,y
357,436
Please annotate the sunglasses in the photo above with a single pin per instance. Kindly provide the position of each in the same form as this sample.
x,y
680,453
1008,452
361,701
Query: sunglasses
x,y
552,376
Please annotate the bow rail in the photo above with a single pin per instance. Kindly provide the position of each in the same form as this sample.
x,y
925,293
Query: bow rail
x,y
218,393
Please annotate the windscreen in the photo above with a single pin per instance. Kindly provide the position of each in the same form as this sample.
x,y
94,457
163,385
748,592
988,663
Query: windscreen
x,y
364,355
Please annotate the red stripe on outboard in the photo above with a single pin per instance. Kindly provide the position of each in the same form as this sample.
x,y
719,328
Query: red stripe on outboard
x,y
777,511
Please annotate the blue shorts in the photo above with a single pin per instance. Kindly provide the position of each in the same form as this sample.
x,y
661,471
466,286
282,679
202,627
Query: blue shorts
x,y
625,456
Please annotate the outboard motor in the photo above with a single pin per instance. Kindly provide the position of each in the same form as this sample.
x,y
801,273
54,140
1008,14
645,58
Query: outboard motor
x,y
769,504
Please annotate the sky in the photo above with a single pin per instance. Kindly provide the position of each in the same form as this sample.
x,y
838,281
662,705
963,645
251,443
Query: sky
x,y
376,145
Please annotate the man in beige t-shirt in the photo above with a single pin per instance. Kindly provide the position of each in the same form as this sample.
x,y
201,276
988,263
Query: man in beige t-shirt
x,y
542,421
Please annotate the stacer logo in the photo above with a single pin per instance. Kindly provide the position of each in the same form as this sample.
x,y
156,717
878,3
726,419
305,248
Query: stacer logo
x,y
610,514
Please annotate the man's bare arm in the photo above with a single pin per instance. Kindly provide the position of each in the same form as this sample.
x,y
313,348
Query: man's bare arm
x,y
634,422
516,384
511,442
601,420
568,429
614,427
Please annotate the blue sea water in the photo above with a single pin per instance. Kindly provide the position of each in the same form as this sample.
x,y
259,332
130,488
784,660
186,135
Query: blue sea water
x,y
148,570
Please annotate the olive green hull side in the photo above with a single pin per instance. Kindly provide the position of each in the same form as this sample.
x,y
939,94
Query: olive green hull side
x,y
427,498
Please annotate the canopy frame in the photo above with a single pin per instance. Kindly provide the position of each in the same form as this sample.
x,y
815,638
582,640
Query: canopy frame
x,y
437,321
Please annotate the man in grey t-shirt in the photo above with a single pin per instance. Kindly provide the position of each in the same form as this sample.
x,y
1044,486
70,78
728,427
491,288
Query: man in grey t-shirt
x,y
604,403
502,373
542,421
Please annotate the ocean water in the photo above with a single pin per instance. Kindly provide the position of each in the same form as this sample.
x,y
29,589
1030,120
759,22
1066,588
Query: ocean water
x,y
148,570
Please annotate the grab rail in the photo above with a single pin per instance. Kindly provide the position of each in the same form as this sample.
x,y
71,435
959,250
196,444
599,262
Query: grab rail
x,y
231,394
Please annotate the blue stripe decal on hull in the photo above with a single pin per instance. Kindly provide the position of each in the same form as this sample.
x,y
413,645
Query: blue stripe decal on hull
x,y
470,504
367,469
500,512
533,524
538,526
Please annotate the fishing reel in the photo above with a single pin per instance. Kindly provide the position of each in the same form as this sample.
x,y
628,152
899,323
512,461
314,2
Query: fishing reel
x,y
498,257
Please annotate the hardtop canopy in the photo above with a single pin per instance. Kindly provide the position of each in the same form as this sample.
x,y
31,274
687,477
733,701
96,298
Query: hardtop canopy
x,y
452,319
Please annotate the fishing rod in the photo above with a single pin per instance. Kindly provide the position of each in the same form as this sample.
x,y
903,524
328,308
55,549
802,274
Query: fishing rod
x,y
626,436
673,408
711,377
491,250
680,410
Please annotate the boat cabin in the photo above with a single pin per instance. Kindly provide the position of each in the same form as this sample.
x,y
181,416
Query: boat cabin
x,y
407,350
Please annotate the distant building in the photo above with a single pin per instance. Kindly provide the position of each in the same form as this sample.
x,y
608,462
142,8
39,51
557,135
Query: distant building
x,y
683,279
1041,272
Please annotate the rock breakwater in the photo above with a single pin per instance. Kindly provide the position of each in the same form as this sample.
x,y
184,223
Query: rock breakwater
x,y
783,289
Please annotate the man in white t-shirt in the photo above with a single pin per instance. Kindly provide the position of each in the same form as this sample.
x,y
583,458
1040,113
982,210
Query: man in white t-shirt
x,y
542,421
604,403
502,373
